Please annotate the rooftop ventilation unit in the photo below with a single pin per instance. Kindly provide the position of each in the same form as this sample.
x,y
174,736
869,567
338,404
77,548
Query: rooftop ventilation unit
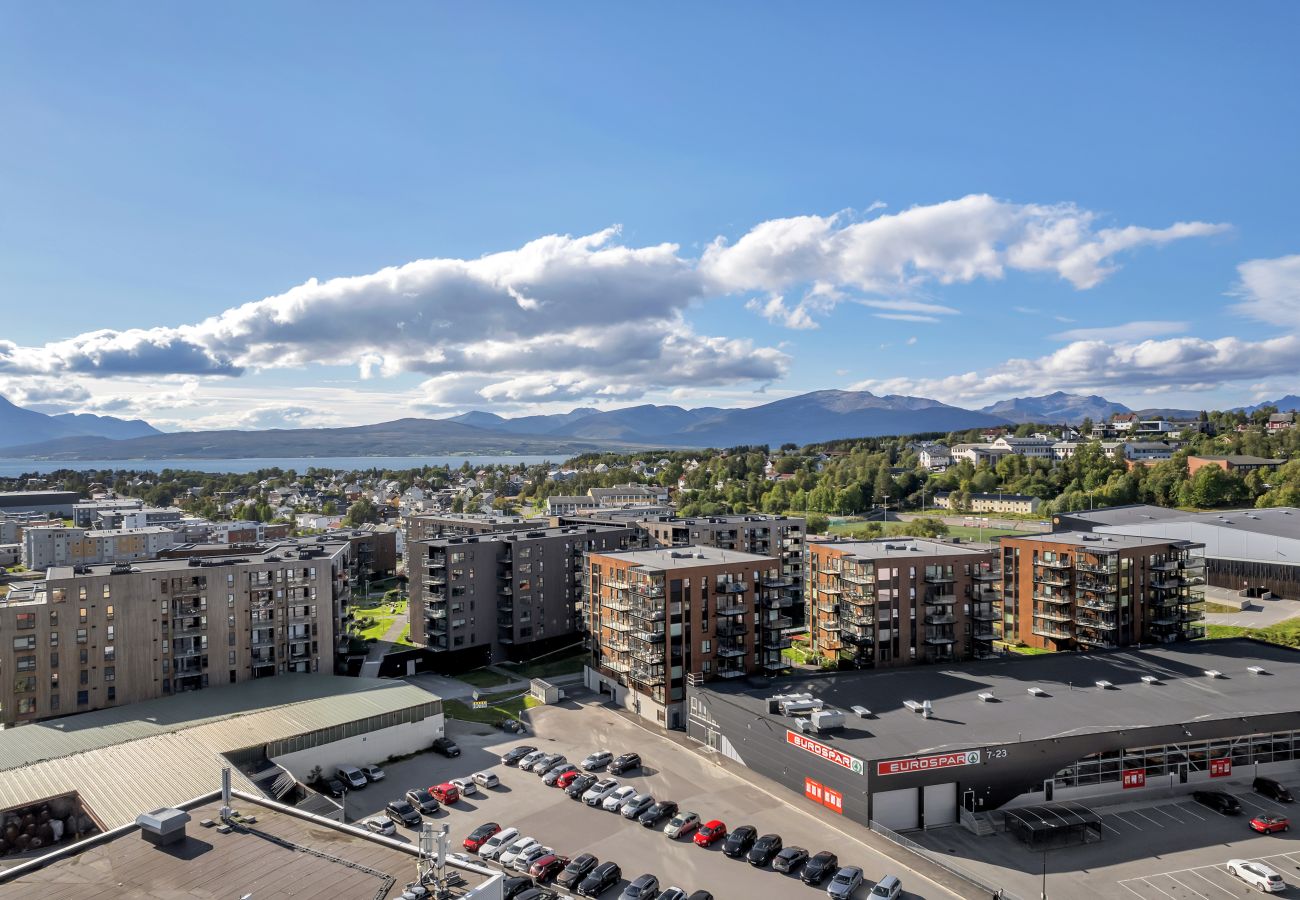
x,y
1150,679
986,696
163,827
914,705
1104,685
1257,670
1213,673
861,711
1038,692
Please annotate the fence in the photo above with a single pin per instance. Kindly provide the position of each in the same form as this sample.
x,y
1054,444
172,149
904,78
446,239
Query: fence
x,y
945,864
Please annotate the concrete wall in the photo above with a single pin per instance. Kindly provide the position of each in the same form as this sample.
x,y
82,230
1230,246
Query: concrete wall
x,y
364,749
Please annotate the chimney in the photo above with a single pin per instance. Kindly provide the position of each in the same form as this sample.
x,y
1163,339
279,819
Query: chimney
x,y
163,827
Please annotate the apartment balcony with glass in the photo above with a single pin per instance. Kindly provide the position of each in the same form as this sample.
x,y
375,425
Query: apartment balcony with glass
x,y
1097,563
939,597
1053,562
1052,629
731,649
731,627
939,575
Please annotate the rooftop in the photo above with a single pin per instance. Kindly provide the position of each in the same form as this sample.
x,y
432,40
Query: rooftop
x,y
1240,460
1278,521
1092,541
903,547
686,557
1072,704
287,550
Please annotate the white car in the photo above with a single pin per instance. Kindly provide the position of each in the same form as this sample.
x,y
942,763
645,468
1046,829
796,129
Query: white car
x,y
465,785
597,793
524,861
526,763
380,826
486,779
372,773
598,760
511,853
682,823
1257,875
614,802
493,846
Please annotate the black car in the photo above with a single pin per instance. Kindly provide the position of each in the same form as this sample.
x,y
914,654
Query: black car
x,y
664,809
739,841
334,787
601,879
578,786
577,869
820,867
790,859
645,887
625,763
403,813
514,886
1218,801
423,801
537,893
764,849
446,746
700,895
512,757
1273,789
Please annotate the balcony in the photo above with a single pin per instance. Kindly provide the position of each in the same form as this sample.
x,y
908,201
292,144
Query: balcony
x,y
648,589
730,609
188,609
828,608
435,580
1052,615
1097,641
615,665
647,613
617,604
939,639
1096,623
854,578
731,650
1096,604
647,676
985,576
1053,577
1166,584
984,614
730,628
984,636
939,577
1058,563
940,599
778,582
435,614
1168,565
618,625
777,602
1111,568
1054,599
650,637
1096,587
774,640
616,645
730,673
1052,631
943,619
857,635
778,623
505,590
832,626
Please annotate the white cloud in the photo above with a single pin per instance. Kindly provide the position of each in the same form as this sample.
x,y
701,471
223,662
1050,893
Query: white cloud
x,y
1129,331
1270,290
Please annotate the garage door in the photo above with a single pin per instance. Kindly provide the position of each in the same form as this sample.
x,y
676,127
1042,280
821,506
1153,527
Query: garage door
x,y
940,804
898,810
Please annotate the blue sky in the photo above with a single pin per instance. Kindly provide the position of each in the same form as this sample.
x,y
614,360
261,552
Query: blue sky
x,y
937,197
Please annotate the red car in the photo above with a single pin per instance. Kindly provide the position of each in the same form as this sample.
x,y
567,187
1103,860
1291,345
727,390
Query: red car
x,y
567,779
548,866
709,833
479,835
445,793
1270,824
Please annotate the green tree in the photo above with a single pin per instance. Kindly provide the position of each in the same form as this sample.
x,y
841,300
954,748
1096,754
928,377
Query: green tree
x,y
361,512
817,524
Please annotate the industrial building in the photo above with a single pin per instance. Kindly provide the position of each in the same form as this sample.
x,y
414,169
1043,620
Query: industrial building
x,y
57,504
1247,550
911,748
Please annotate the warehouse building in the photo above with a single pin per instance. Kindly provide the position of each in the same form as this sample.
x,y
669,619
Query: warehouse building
x,y
1251,550
59,504
1023,731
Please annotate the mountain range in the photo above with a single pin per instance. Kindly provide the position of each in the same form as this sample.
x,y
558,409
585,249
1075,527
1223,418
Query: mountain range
x,y
804,419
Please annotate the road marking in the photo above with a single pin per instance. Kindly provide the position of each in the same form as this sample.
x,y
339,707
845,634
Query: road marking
x,y
1191,812
1244,799
1111,827
1193,890
1126,821
1161,809
1208,881
1138,812
1130,890
1157,887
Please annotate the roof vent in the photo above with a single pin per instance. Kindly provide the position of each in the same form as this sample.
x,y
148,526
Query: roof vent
x,y
861,711
1104,685
1150,679
1038,692
1257,670
986,696
163,827
914,705
1213,673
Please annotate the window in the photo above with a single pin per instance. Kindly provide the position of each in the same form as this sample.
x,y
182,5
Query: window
x,y
54,639
112,632
109,653
112,693
25,684
706,646
54,701
54,661
25,620
108,611
81,635
27,663
84,677
84,655
25,642
81,617
54,618
83,698
110,673
26,705
108,591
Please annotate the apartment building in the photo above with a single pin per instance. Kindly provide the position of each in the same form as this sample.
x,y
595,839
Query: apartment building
x,y
900,601
433,525
660,618
1241,465
86,513
991,503
90,637
56,545
493,596
1085,591
606,498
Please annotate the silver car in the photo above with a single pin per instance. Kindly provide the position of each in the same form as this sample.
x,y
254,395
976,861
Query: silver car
x,y
846,881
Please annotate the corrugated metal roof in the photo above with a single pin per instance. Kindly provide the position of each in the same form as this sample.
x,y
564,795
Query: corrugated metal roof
x,y
171,750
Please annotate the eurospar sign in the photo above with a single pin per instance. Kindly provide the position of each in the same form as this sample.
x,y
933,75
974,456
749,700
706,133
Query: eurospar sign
x,y
928,763
830,754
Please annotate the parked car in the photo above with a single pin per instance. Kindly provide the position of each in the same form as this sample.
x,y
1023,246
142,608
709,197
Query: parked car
x,y
524,861
1268,824
1219,801
598,760
537,892
479,836
509,854
542,769
600,879
527,762
887,888
492,847
643,887
710,833
578,868
515,885
790,859
664,809
333,786
445,793
700,895
403,813
351,776
625,763
764,849
1274,790
552,778
486,779
548,866
466,786
819,867
569,777
1257,875
671,893
423,800
512,757
580,785
739,841
682,824
446,746
597,793
844,883
379,826
614,802
636,805
372,773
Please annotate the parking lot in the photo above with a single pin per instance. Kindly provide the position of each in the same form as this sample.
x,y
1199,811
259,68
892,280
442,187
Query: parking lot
x,y
670,772
1172,849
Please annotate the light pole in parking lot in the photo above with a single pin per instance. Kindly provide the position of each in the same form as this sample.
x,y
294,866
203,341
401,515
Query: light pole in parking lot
x,y
1044,894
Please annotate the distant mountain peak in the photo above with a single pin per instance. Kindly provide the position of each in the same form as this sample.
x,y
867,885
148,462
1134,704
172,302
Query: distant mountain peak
x,y
19,426
1057,406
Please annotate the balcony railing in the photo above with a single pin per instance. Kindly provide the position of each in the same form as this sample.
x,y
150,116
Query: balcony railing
x,y
1097,569
1057,599
933,598
1058,563
1053,577
730,609
939,577
1052,615
730,628
1052,631
940,620
726,649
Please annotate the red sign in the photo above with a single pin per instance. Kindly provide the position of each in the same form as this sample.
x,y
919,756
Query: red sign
x,y
819,793
840,758
926,763
1220,767
1135,778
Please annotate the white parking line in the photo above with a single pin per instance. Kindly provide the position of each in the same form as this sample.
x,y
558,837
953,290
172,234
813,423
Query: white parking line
x,y
1126,821
1193,890
1111,827
1138,812
1131,891
1250,802
1157,887
1208,881
1190,811
1161,809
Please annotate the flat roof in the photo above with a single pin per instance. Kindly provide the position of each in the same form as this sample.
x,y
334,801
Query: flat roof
x,y
904,547
685,557
286,551
1131,514
1277,521
1096,542
1073,703
281,855
1241,460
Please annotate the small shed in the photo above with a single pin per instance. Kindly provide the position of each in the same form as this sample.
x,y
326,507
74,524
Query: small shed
x,y
1044,827
544,691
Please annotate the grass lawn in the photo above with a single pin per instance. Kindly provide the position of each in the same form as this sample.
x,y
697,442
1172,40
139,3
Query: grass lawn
x,y
566,662
1220,608
483,678
966,532
1285,633
1028,651
500,706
